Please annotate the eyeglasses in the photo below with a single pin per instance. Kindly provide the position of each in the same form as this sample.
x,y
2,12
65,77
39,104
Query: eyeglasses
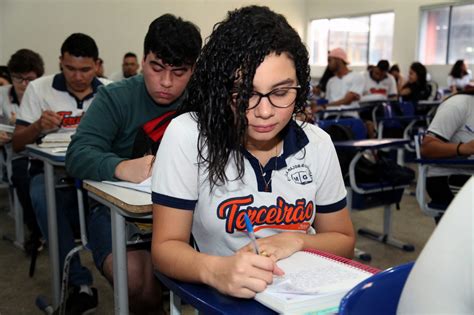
x,y
19,79
280,98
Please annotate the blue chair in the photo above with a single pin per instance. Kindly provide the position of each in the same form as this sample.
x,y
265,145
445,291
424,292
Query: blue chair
x,y
355,124
378,294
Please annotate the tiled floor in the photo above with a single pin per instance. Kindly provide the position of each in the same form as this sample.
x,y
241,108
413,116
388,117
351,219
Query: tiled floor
x,y
18,292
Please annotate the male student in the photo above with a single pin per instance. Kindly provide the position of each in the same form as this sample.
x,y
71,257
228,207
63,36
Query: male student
x,y
129,67
24,66
378,83
345,88
50,103
102,148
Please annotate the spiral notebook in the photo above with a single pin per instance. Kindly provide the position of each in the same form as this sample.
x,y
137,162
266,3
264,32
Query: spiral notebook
x,y
314,283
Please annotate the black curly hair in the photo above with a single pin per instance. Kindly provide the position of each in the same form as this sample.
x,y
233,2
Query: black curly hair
x,y
233,52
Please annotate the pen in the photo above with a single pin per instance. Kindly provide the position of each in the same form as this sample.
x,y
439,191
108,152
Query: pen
x,y
251,233
468,128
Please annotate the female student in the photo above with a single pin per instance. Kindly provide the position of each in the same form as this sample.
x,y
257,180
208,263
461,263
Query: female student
x,y
459,76
235,150
416,89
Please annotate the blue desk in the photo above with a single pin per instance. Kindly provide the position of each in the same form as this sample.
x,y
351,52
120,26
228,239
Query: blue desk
x,y
209,301
431,209
50,160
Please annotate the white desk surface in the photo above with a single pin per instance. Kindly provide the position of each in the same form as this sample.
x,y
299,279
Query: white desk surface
x,y
126,199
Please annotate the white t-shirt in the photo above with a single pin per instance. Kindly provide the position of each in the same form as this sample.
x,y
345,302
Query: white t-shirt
x,y
453,122
50,93
305,180
386,87
442,279
337,88
8,103
116,76
460,83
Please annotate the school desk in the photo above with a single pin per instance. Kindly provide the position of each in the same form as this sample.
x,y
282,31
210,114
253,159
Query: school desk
x,y
123,203
50,159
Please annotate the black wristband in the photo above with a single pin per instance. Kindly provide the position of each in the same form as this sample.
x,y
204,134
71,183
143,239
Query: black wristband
x,y
457,149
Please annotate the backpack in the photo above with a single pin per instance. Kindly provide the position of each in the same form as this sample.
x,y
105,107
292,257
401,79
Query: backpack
x,y
342,133
376,168
149,137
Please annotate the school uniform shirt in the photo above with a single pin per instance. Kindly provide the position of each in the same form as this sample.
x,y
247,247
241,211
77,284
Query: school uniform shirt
x,y
337,88
51,93
305,179
453,122
8,103
460,83
384,88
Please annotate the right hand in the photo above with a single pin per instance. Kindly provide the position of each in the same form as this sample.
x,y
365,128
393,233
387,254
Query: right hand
x,y
136,170
467,148
243,274
4,137
48,120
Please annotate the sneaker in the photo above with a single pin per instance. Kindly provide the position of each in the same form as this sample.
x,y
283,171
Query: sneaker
x,y
81,303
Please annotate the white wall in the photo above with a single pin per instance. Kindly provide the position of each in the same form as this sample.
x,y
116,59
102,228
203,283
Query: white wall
x,y
406,28
118,26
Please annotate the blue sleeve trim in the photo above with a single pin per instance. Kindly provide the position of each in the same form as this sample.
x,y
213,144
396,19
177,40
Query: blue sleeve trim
x,y
173,202
22,123
332,207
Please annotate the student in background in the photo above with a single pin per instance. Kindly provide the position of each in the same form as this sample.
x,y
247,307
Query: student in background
x,y
345,88
235,150
103,148
320,88
379,83
100,68
442,279
399,79
50,103
416,89
4,76
459,77
24,66
450,134
130,67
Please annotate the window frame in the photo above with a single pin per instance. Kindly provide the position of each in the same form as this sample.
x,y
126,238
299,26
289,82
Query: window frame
x,y
424,9
351,16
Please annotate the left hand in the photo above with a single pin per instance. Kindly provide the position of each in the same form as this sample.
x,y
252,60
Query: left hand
x,y
277,246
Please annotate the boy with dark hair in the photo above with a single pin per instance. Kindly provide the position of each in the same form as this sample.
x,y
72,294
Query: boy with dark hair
x,y
50,103
24,66
378,82
103,146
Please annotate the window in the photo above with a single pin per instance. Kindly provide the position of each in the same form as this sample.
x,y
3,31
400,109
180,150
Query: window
x,y
447,34
366,39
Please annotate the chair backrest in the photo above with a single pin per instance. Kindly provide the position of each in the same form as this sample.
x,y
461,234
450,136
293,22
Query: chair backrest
x,y
378,294
433,90
429,209
355,124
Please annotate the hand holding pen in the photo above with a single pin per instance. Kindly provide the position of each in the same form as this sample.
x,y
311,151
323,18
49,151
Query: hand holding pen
x,y
49,120
251,234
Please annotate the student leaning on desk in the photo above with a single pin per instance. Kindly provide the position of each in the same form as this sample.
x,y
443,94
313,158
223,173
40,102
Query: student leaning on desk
x,y
236,150
49,103
102,148
450,135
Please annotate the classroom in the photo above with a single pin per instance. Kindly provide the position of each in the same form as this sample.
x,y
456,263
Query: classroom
x,y
382,78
